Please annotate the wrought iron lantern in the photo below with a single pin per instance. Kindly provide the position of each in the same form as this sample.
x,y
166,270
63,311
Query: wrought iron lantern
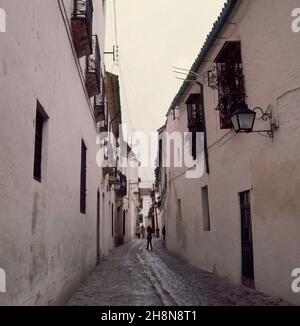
x,y
243,120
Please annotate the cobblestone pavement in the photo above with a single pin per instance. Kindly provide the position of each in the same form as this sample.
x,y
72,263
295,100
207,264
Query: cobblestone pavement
x,y
133,276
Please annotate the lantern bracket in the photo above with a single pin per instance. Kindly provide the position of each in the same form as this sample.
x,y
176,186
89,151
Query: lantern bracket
x,y
265,116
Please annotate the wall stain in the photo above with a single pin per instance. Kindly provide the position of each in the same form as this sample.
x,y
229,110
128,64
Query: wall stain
x,y
39,264
34,212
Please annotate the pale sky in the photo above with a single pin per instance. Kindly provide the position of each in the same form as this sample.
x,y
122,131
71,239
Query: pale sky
x,y
153,36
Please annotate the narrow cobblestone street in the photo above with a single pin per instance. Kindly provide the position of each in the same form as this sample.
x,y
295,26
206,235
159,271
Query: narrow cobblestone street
x,y
133,276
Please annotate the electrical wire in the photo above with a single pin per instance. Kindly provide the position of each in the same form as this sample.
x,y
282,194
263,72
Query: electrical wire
x,y
123,87
111,23
137,92
115,21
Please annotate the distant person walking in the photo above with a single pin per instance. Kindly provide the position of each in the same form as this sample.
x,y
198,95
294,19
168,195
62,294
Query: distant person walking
x,y
149,237
143,231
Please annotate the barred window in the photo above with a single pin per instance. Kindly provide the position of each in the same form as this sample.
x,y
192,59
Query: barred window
x,y
230,81
195,115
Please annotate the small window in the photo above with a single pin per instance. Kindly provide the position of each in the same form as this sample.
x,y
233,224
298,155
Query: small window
x,y
41,117
205,209
195,115
83,179
179,212
160,150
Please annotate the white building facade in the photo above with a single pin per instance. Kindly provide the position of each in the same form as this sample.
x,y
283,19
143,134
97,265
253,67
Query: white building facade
x,y
240,219
53,219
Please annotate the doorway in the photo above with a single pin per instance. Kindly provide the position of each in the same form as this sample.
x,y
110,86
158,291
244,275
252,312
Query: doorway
x,y
247,240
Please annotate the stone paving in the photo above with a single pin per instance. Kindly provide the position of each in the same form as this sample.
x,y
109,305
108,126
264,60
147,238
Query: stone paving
x,y
133,276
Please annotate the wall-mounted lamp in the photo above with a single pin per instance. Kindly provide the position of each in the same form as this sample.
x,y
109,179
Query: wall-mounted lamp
x,y
243,120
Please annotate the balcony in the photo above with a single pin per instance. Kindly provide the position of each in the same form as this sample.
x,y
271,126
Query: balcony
x,y
93,72
82,26
99,109
230,81
103,125
121,185
108,170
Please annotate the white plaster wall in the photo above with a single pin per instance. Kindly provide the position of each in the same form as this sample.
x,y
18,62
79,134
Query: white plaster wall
x,y
106,238
271,170
133,202
46,246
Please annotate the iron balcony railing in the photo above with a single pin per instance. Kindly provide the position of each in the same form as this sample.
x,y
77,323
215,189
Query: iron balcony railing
x,y
103,126
99,112
121,184
231,90
84,9
93,61
99,99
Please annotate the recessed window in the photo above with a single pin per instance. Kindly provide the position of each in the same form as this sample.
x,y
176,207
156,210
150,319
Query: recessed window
x,y
205,209
195,115
41,117
230,81
83,178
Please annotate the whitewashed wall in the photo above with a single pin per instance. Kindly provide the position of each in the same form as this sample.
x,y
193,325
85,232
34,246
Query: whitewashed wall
x,y
46,246
270,169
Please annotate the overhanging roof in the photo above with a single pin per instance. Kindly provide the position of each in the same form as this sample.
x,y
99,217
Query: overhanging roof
x,y
210,40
